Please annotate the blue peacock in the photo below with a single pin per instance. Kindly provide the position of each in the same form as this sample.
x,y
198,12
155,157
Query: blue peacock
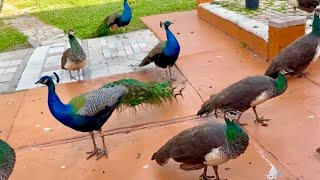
x,y
165,53
88,112
7,160
115,21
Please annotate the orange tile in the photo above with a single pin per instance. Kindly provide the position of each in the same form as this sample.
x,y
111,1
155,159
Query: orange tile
x,y
125,163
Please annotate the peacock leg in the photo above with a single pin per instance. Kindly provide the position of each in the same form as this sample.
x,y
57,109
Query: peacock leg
x,y
95,149
238,120
82,73
260,120
294,10
104,150
171,78
79,79
123,32
215,168
204,175
303,74
71,77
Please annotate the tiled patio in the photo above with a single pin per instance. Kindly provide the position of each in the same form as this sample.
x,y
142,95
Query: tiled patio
x,y
209,61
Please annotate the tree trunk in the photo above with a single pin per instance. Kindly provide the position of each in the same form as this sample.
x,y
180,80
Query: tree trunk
x,y
1,6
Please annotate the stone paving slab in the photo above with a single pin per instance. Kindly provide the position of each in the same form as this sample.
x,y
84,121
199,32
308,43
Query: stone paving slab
x,y
106,56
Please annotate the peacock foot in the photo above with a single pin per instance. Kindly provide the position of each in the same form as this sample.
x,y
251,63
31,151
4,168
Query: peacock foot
x,y
94,152
318,150
303,75
261,120
205,177
103,152
80,81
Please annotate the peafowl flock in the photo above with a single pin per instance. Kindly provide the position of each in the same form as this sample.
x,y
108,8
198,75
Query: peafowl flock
x,y
115,21
88,112
209,144
299,54
246,93
165,53
305,5
7,160
74,58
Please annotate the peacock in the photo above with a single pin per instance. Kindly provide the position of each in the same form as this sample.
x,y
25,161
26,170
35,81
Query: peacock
x,y
298,55
7,160
304,5
88,112
246,93
165,53
210,144
115,21
74,58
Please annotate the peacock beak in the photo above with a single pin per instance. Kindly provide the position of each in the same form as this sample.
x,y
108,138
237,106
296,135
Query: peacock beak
x,y
38,82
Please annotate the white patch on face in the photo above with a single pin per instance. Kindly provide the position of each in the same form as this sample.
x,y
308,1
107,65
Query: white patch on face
x,y
45,81
316,56
214,158
260,99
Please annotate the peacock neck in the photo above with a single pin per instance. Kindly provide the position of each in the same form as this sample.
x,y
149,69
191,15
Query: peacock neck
x,y
127,11
236,141
172,46
75,46
280,83
316,25
59,110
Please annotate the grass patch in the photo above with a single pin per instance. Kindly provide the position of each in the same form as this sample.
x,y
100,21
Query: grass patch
x,y
11,38
85,15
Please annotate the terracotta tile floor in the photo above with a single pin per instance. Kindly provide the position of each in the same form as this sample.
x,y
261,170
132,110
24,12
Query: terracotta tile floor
x,y
209,61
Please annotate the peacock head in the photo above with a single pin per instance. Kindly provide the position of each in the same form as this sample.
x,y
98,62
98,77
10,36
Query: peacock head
x,y
233,128
317,11
286,71
71,32
165,24
46,80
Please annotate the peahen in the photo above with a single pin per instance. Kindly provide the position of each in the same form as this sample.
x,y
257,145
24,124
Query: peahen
x,y
88,112
115,21
7,160
74,58
298,55
304,5
210,144
246,93
165,53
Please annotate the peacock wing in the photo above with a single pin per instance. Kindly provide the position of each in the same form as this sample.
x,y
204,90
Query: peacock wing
x,y
240,94
299,54
93,102
308,5
112,18
191,145
7,160
153,54
66,54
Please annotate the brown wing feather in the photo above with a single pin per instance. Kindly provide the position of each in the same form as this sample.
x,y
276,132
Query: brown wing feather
x,y
191,145
153,54
237,96
111,18
65,56
297,56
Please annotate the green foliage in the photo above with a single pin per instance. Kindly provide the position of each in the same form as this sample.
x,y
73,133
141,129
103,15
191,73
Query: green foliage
x,y
85,16
11,38
149,93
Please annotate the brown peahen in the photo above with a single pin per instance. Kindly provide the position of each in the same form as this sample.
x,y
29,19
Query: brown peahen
x,y
210,144
74,58
246,93
299,54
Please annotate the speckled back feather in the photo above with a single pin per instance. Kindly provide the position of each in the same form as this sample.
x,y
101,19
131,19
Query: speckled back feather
x,y
7,160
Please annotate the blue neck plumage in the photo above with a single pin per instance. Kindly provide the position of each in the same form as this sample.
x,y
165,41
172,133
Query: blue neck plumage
x,y
127,14
59,110
172,47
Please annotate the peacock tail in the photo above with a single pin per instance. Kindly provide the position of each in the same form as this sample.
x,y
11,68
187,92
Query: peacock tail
x,y
102,30
7,160
148,93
